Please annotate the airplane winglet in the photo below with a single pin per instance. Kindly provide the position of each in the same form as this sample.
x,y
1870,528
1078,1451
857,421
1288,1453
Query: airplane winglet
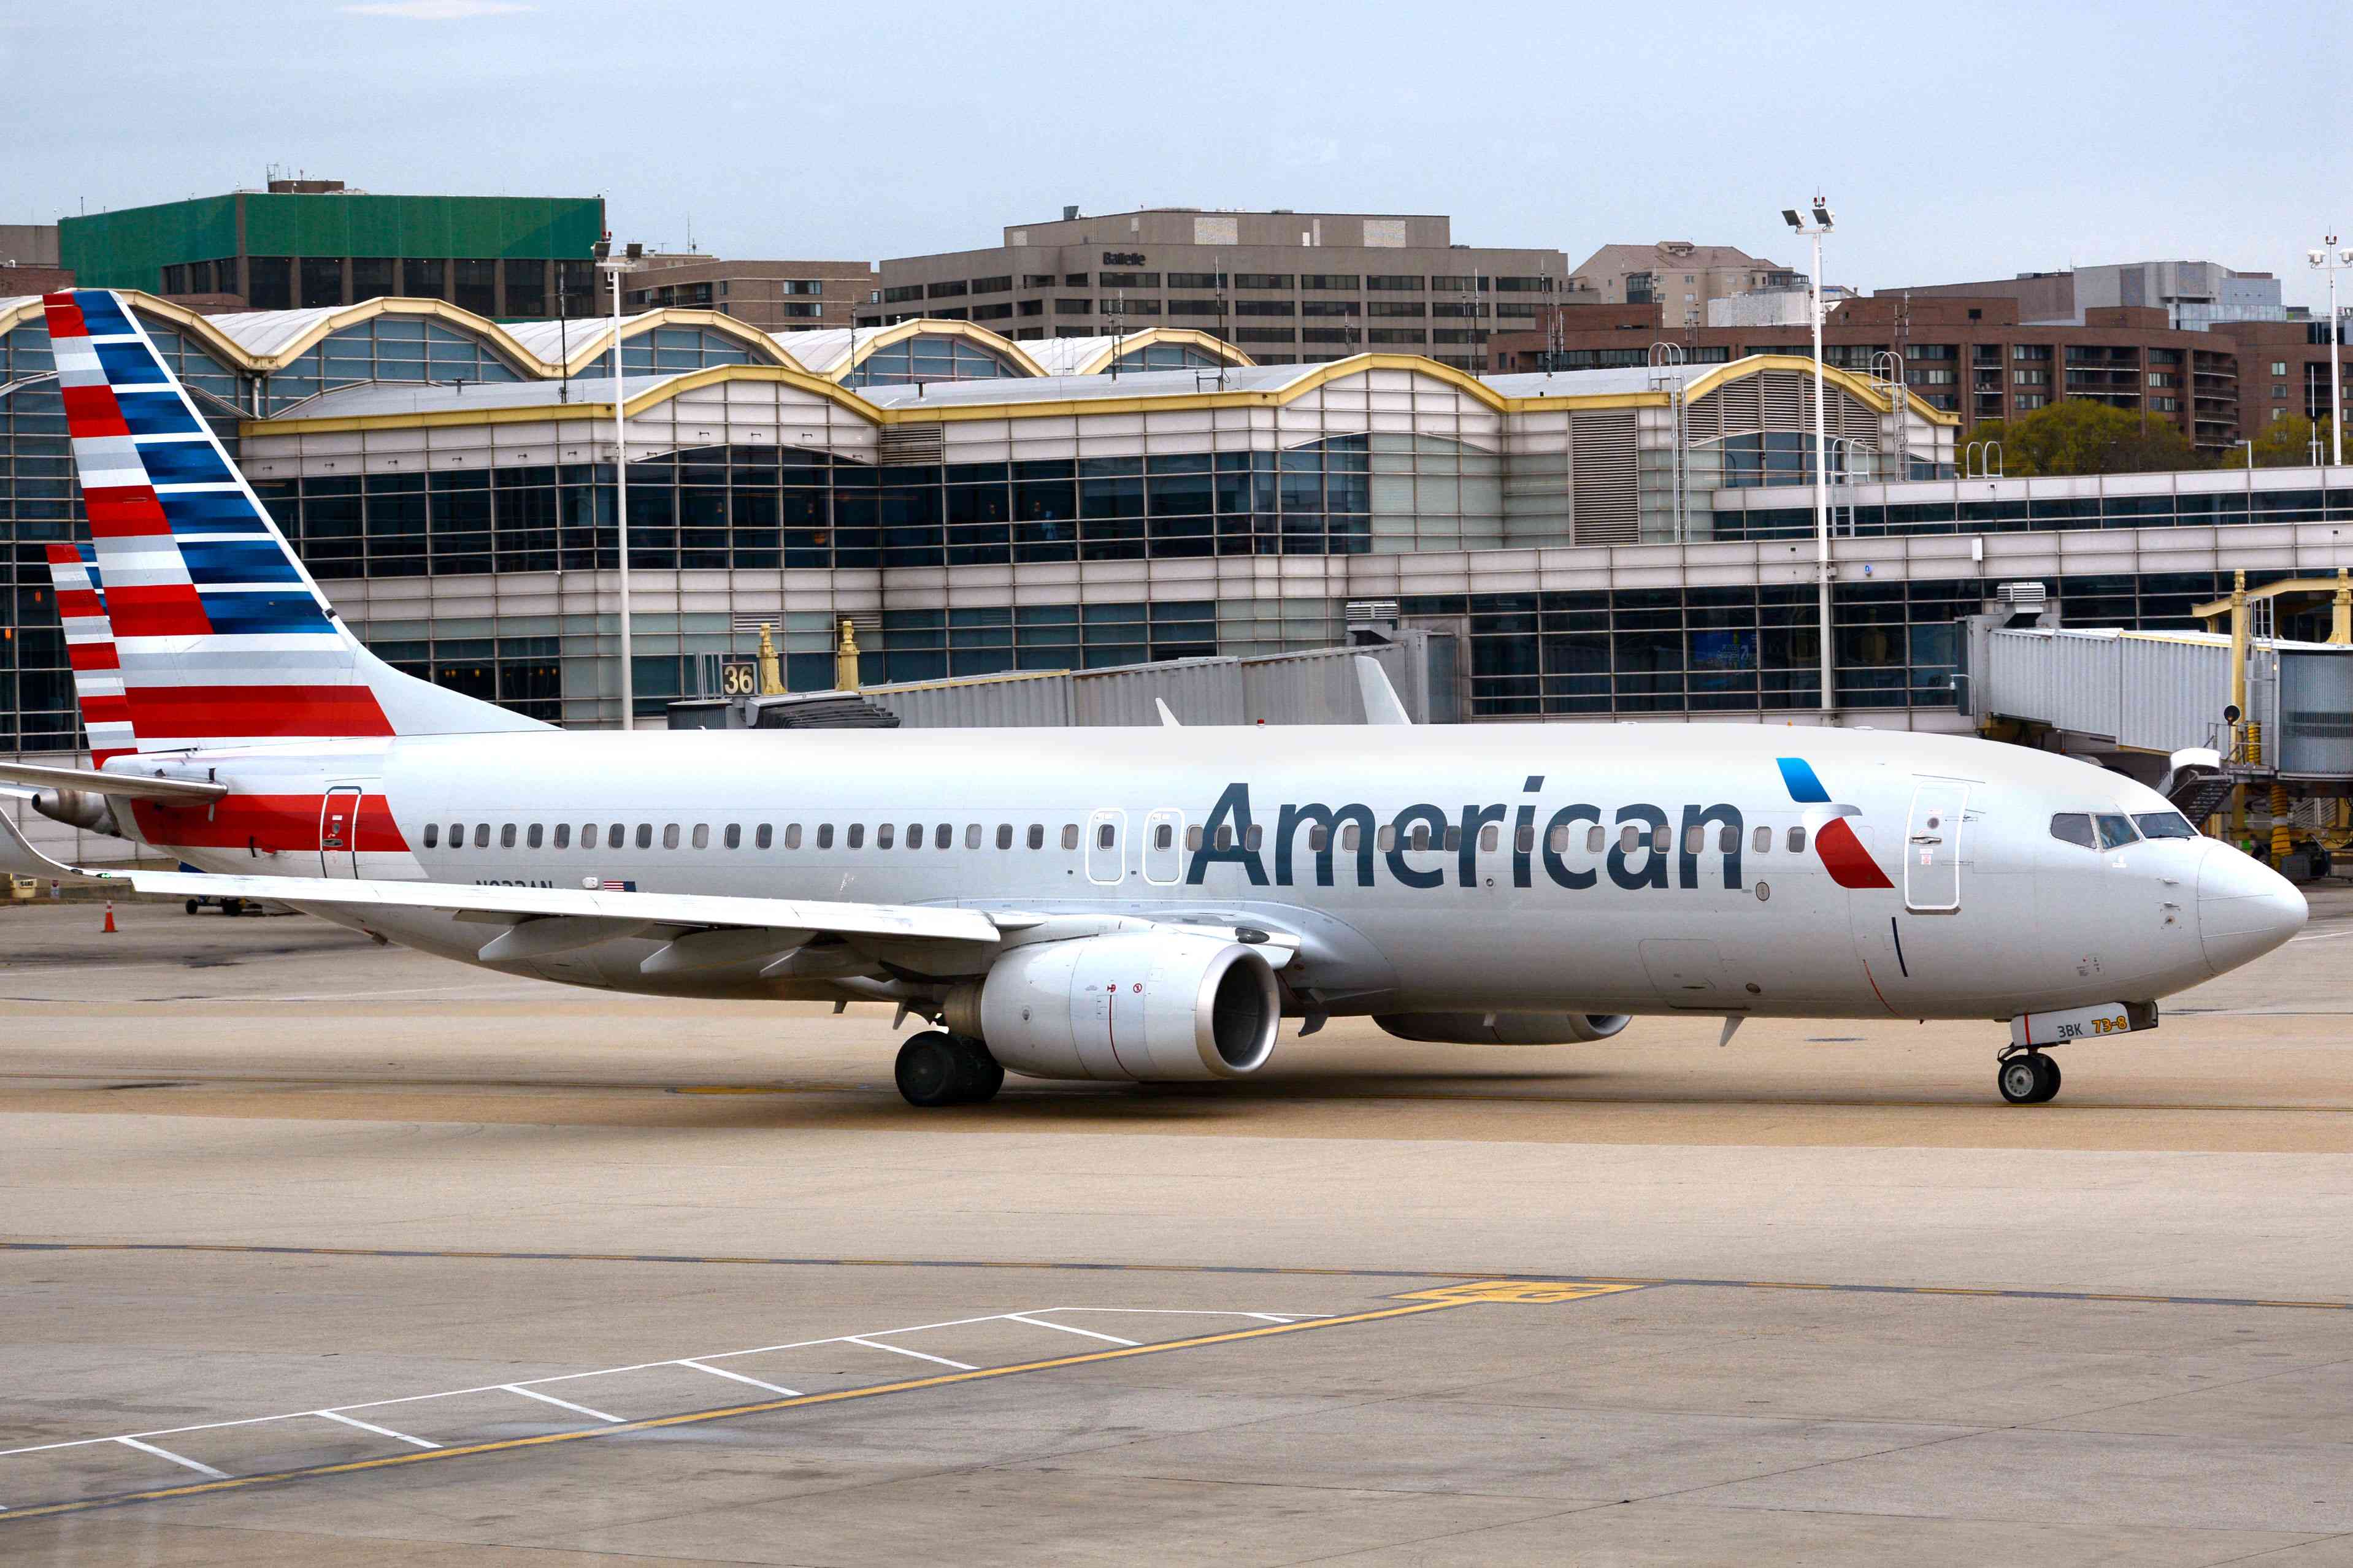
x,y
1381,704
1167,718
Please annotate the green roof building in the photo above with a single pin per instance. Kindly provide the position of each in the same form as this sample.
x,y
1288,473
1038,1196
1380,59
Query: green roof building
x,y
304,244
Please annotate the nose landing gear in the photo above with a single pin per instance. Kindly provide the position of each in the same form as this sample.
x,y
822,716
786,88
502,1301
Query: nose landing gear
x,y
2027,1076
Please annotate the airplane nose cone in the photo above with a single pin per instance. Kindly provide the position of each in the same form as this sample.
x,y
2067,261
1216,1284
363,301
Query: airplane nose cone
x,y
2244,908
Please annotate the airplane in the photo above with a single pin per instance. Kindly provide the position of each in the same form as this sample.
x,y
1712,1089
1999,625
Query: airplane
x,y
1140,905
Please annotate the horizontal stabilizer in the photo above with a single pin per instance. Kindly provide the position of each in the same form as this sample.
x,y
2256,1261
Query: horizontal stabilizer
x,y
178,792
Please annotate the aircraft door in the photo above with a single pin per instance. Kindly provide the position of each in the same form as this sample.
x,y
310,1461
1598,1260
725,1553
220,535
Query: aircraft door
x,y
1106,851
339,832
1932,848
1164,847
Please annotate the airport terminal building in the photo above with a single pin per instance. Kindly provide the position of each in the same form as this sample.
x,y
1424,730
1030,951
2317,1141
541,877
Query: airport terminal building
x,y
1624,543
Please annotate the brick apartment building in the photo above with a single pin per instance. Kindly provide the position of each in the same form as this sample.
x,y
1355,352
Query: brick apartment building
x,y
1974,357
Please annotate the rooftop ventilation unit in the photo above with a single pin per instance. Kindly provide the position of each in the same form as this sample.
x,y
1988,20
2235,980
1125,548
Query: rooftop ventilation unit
x,y
2024,595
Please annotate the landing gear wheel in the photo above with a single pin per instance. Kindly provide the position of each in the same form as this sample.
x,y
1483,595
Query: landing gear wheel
x,y
930,1071
2028,1079
978,1075
193,906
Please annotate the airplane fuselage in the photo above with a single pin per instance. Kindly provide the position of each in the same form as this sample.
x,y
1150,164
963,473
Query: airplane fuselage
x,y
1617,868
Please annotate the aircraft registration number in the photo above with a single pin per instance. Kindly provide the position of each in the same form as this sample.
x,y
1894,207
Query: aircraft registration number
x,y
2072,1024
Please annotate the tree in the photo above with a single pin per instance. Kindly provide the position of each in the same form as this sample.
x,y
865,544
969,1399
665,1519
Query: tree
x,y
2287,442
2076,436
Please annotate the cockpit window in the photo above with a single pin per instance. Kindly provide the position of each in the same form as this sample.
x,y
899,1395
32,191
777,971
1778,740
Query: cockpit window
x,y
2116,828
2073,827
2165,824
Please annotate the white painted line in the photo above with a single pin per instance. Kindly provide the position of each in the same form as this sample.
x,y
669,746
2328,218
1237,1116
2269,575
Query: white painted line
x,y
379,1431
739,1377
2320,936
551,1399
902,1350
1041,1323
175,1459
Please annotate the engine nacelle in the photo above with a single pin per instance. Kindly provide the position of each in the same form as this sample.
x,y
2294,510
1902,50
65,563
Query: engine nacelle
x,y
1139,1007
81,808
1502,1028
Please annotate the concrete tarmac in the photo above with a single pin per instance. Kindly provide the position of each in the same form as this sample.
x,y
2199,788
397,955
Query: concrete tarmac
x,y
316,1251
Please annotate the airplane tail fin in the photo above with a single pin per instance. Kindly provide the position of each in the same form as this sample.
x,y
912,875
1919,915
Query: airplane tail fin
x,y
90,649
221,637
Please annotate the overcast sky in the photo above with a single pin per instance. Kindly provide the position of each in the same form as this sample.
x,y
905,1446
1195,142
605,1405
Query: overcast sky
x,y
1957,141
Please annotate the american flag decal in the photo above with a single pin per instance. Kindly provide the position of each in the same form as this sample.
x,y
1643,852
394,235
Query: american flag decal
x,y
616,885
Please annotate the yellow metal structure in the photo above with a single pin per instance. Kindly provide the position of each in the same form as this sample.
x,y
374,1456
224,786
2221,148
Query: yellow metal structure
x,y
845,659
772,677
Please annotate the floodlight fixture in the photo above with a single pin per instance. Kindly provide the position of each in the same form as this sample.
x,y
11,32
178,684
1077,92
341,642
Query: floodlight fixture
x,y
1791,214
1821,213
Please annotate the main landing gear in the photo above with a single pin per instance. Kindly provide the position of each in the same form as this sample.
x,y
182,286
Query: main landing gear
x,y
936,1068
2027,1076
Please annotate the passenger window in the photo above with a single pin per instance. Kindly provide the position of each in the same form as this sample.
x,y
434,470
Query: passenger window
x,y
1257,836
702,839
564,836
943,836
825,835
457,835
1525,838
733,838
1797,841
1036,838
1225,837
1005,836
1386,838
1728,839
1165,835
1316,838
971,836
1070,836
1761,841
1629,837
1453,839
885,835
1193,837
855,838
2153,824
1104,836
1661,838
1419,837
482,836
1489,836
587,836
532,838
645,835
2073,827
1558,839
507,834
669,834
1694,839
2116,829
1593,839
915,836
1350,836
432,834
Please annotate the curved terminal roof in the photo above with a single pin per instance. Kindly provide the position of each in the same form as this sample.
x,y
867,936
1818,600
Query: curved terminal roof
x,y
834,353
1092,356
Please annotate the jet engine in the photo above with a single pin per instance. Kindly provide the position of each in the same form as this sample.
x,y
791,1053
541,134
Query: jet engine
x,y
1502,1028
1140,1006
79,807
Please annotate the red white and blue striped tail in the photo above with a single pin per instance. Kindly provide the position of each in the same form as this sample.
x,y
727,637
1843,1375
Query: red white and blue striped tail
x,y
221,637
90,648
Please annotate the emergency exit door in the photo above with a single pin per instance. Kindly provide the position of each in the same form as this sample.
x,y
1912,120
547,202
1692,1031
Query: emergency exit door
x,y
1932,848
339,832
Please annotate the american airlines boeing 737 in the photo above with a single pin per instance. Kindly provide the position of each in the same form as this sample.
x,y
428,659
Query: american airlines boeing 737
x,y
1137,904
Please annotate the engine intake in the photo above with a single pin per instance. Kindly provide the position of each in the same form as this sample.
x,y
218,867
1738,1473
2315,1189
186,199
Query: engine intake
x,y
1135,1007
1502,1028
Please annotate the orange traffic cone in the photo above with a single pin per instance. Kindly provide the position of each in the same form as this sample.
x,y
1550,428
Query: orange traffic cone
x,y
110,916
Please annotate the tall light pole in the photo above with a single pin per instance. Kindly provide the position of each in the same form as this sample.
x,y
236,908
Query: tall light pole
x,y
2331,259
614,268
1822,224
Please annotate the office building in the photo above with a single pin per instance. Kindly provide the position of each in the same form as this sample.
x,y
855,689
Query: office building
x,y
774,295
1287,287
309,244
2194,295
1682,278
